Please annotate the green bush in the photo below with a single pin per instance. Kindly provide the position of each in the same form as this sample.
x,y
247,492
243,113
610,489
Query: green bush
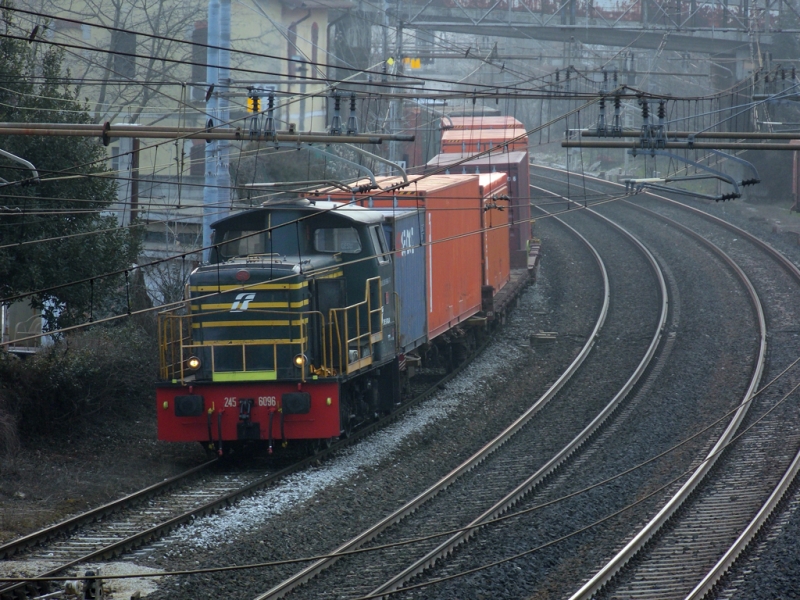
x,y
104,372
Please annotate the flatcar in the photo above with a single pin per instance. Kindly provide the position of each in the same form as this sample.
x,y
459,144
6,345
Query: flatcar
x,y
313,313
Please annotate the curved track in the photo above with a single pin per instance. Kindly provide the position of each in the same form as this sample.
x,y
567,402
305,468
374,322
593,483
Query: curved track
x,y
121,526
481,489
723,509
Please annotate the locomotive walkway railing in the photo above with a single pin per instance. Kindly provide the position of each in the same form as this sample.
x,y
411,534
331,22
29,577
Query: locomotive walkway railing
x,y
256,359
355,329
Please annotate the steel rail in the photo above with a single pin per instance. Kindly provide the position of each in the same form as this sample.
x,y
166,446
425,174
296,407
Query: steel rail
x,y
38,537
668,510
602,577
716,573
398,515
527,486
161,529
767,510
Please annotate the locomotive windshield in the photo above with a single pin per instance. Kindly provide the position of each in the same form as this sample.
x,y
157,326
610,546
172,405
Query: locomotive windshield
x,y
242,243
338,239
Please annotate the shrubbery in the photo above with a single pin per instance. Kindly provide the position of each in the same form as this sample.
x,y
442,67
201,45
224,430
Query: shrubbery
x,y
103,372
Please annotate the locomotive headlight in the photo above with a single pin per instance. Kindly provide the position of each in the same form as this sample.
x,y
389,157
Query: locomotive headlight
x,y
193,363
299,361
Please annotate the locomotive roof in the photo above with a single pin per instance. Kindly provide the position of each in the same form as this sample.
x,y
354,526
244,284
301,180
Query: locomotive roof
x,y
417,184
354,213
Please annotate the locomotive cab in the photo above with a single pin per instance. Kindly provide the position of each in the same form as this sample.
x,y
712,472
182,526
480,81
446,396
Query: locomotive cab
x,y
293,307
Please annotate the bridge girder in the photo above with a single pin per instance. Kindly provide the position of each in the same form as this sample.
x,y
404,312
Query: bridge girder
x,y
703,41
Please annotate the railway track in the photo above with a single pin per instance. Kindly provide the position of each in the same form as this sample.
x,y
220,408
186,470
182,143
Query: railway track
x,y
485,486
686,549
545,549
606,432
119,527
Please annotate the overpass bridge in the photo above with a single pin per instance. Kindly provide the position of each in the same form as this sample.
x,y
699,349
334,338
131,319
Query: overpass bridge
x,y
736,29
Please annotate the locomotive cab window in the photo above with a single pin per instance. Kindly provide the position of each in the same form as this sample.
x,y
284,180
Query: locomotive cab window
x,y
251,242
379,242
337,239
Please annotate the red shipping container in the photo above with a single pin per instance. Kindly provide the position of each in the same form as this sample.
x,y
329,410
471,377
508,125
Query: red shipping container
x,y
471,141
515,164
496,267
453,218
481,122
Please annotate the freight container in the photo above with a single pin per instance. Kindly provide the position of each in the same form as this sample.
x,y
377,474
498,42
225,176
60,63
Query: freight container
x,y
404,230
496,268
481,122
515,165
452,230
471,141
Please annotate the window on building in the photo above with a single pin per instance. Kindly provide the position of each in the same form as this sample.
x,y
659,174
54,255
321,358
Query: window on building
x,y
197,159
199,52
314,48
124,63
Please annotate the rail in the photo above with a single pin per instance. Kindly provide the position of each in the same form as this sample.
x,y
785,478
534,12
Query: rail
x,y
604,575
510,499
317,567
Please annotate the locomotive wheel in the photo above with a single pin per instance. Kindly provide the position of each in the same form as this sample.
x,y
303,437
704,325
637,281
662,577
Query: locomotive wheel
x,y
345,418
316,446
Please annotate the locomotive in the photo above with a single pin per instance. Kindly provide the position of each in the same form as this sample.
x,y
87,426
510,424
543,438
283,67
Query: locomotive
x,y
314,313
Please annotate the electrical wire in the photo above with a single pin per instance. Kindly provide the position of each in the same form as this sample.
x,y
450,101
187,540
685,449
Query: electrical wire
x,y
496,520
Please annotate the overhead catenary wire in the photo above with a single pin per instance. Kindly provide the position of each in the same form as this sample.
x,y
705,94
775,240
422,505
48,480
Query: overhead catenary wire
x,y
494,521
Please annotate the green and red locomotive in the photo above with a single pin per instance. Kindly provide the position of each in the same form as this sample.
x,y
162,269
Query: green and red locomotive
x,y
312,315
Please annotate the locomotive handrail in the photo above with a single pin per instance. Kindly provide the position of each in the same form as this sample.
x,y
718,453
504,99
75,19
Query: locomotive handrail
x,y
345,365
174,343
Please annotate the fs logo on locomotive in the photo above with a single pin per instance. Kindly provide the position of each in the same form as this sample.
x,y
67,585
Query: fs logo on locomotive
x,y
241,302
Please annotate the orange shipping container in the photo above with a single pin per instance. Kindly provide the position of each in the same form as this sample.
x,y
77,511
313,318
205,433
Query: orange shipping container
x,y
496,267
452,228
481,122
471,141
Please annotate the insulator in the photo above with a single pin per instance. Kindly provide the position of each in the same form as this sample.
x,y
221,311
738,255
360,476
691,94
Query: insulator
x,y
662,110
617,102
645,110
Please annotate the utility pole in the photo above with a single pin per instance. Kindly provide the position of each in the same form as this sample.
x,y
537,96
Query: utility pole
x,y
217,190
396,105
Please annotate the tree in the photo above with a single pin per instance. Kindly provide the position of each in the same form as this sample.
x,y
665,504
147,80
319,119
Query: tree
x,y
66,215
119,84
